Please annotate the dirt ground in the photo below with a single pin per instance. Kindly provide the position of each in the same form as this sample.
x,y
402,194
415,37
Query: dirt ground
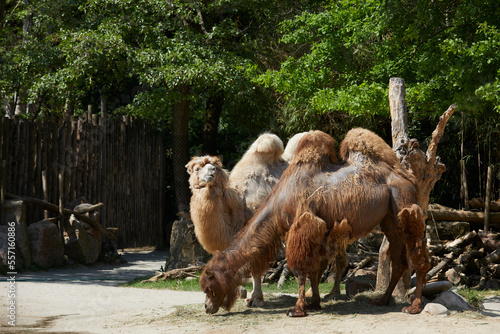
x,y
87,300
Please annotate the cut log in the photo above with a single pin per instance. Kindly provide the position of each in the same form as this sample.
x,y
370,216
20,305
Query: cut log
x,y
362,264
447,259
457,215
460,242
477,203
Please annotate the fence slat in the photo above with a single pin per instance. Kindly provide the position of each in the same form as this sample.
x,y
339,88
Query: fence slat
x,y
117,162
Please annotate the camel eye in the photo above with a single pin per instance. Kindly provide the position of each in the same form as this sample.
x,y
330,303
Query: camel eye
x,y
210,292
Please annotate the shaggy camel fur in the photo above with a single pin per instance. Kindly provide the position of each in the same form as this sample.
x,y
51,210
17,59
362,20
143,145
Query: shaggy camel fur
x,y
320,202
221,204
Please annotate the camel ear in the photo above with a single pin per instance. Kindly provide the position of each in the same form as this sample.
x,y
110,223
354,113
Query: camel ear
x,y
189,167
209,273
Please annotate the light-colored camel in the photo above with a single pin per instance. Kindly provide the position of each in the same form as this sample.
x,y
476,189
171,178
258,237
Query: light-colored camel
x,y
221,204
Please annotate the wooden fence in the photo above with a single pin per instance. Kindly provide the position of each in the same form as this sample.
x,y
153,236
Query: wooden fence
x,y
119,162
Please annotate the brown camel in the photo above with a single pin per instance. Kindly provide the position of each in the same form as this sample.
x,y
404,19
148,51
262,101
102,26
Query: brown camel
x,y
221,204
321,202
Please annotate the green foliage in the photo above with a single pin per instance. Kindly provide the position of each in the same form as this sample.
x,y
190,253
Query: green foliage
x,y
290,286
447,52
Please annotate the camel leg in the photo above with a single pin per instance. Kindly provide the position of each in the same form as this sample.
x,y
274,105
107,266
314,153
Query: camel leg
x,y
315,299
399,261
341,262
323,265
414,224
257,297
300,307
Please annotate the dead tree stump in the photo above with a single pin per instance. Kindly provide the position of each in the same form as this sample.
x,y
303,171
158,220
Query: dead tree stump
x,y
426,167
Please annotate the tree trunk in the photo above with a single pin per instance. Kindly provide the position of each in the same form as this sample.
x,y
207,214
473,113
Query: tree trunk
x,y
489,180
212,116
399,122
399,127
180,150
464,190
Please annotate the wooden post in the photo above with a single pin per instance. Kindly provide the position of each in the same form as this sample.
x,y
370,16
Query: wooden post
x,y
487,200
45,192
90,111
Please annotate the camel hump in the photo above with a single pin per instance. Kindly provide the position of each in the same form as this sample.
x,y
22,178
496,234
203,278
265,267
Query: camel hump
x,y
315,147
202,162
291,147
368,143
267,144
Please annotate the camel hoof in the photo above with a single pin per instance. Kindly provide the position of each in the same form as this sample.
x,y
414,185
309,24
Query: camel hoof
x,y
412,309
314,307
331,296
294,313
380,302
255,302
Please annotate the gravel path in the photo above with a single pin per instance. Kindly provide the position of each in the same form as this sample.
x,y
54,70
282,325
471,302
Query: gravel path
x,y
88,300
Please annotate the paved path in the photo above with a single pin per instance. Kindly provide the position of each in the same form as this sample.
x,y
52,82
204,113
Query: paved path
x,y
88,300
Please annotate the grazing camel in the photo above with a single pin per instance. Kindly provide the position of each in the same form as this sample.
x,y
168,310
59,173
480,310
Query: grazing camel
x,y
221,204
321,202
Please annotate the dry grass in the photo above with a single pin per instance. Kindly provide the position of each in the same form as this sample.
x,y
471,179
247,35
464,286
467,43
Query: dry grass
x,y
275,308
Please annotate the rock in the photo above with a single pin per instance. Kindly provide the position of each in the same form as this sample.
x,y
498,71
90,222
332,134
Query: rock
x,y
369,272
79,244
358,284
243,292
185,249
452,301
447,230
15,211
47,249
433,288
436,310
492,284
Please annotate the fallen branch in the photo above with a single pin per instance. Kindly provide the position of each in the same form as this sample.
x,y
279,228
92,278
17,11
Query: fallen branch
x,y
54,208
176,274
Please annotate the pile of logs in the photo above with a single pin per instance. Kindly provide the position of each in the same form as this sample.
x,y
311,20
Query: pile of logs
x,y
459,254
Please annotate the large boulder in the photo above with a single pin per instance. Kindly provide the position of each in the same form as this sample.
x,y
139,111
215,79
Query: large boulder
x,y
79,244
15,212
452,301
185,249
47,249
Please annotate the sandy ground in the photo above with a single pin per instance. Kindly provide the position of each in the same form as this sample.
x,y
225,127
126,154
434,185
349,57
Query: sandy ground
x,y
88,300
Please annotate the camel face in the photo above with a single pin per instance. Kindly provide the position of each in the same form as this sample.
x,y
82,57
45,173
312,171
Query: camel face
x,y
207,173
203,171
210,306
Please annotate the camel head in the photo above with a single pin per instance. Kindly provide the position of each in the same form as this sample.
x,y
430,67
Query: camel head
x,y
204,170
220,289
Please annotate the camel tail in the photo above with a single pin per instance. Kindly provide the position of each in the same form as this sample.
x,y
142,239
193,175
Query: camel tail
x,y
369,144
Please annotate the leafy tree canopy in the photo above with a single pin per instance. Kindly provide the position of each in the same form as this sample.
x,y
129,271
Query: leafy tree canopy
x,y
447,52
